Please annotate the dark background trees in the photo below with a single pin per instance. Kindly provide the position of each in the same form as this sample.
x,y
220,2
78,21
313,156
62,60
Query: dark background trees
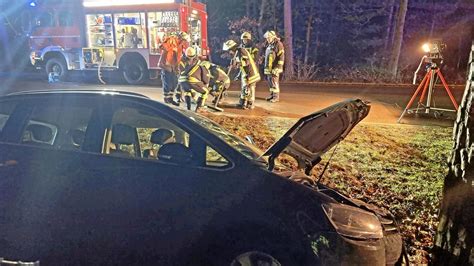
x,y
350,40
353,39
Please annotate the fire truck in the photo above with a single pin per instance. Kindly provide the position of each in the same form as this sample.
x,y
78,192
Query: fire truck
x,y
101,35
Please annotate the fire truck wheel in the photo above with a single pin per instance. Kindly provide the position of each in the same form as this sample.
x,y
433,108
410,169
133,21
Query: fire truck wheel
x,y
58,67
135,72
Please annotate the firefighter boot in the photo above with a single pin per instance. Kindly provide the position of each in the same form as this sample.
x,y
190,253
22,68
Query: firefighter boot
x,y
178,97
242,104
170,100
270,97
199,105
187,99
250,105
276,97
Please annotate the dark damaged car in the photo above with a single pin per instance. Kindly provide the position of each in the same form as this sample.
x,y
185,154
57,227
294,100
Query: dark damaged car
x,y
114,178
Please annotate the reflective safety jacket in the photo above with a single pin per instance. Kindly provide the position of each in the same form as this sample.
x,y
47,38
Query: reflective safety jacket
x,y
192,71
274,58
216,74
248,69
253,50
171,51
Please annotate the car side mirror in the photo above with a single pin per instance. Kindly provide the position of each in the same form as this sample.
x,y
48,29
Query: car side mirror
x,y
175,153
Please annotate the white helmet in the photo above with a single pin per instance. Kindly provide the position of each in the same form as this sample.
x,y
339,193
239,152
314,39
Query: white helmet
x,y
229,45
270,34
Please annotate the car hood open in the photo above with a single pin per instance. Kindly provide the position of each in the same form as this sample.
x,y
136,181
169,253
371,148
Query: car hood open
x,y
313,135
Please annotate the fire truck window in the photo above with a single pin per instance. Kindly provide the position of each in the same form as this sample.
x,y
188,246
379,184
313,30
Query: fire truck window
x,y
65,19
160,24
100,31
44,20
130,30
195,31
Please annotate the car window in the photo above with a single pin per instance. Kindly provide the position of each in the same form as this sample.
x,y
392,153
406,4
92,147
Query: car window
x,y
6,109
140,132
214,158
65,19
57,126
45,19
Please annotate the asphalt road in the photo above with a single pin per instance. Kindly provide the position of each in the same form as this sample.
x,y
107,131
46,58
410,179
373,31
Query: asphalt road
x,y
297,99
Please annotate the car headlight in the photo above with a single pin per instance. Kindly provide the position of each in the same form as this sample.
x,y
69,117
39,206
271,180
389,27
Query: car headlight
x,y
353,222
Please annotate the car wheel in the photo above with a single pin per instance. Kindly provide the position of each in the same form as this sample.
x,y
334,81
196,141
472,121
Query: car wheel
x,y
58,67
135,72
255,258
255,247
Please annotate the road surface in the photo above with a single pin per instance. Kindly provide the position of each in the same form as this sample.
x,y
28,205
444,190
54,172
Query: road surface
x,y
297,99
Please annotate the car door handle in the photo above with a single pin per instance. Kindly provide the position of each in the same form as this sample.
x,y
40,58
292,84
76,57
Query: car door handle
x,y
8,163
18,263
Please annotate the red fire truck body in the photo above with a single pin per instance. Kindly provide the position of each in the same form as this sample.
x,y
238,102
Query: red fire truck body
x,y
122,35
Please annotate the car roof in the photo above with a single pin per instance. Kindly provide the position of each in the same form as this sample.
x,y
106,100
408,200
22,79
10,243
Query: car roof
x,y
81,91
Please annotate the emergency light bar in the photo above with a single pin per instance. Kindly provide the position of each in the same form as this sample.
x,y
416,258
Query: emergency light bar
x,y
101,3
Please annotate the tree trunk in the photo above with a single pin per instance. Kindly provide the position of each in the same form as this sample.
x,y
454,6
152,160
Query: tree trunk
x,y
289,72
263,6
454,240
247,8
309,27
397,46
388,33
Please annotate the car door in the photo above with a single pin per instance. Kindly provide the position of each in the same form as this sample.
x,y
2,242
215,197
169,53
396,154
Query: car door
x,y
37,152
158,206
75,204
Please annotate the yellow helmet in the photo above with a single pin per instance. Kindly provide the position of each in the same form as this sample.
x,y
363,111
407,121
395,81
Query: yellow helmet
x,y
190,52
183,35
229,45
246,35
269,34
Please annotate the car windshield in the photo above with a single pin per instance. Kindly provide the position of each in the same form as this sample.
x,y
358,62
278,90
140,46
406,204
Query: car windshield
x,y
246,149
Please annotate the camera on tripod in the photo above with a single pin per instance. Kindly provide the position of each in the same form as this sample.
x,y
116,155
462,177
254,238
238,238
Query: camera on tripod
x,y
434,57
434,52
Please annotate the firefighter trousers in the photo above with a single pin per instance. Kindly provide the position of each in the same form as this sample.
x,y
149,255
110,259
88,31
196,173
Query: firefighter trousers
x,y
170,82
247,91
273,83
199,87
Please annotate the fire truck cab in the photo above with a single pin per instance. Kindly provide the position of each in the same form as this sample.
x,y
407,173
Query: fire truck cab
x,y
101,35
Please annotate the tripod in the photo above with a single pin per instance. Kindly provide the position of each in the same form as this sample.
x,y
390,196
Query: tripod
x,y
428,84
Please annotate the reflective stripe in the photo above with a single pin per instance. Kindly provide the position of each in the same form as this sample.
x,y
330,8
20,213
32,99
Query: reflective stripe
x,y
280,52
254,79
193,70
193,80
281,62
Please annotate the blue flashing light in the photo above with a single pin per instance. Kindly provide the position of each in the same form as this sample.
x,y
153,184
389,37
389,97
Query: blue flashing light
x,y
33,3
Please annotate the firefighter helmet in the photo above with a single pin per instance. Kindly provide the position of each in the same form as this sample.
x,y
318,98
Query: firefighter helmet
x,y
190,52
269,34
184,36
229,45
246,35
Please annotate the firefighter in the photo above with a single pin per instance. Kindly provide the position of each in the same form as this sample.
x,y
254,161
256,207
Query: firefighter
x,y
171,52
274,61
219,80
194,78
246,39
248,73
